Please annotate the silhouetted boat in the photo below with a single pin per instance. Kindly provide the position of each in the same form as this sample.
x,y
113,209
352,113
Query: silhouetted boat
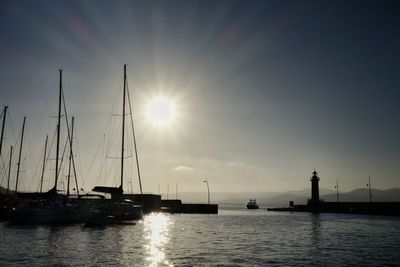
x,y
118,209
6,201
252,205
46,212
49,207
114,212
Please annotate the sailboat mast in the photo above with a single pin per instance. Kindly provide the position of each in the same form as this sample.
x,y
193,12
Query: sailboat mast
x,y
76,179
58,129
134,142
19,156
69,137
9,170
2,127
123,129
70,155
44,164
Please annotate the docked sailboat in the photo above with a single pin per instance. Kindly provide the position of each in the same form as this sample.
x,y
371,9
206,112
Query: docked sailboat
x,y
7,200
49,207
119,209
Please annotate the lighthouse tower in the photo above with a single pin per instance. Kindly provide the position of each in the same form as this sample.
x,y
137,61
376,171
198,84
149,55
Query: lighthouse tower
x,y
314,188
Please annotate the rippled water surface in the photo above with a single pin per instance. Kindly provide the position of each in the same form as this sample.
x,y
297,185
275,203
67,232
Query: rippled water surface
x,y
231,238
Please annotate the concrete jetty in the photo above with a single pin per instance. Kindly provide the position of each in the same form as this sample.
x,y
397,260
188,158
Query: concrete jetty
x,y
315,204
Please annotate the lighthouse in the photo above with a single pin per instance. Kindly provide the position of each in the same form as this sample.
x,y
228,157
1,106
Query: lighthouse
x,y
314,188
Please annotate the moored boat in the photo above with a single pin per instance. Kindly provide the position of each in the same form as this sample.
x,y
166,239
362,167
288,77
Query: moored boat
x,y
114,212
118,209
45,212
48,207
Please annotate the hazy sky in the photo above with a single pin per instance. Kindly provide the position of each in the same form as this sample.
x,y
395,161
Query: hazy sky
x,y
265,91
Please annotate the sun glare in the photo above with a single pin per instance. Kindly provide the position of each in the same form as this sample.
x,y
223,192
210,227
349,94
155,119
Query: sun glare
x,y
161,111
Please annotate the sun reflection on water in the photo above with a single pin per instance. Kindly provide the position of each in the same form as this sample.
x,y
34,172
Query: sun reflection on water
x,y
156,234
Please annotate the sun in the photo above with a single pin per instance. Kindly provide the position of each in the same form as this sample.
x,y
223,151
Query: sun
x,y
161,111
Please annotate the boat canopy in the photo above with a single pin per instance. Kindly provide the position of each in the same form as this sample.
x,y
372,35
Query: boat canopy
x,y
109,189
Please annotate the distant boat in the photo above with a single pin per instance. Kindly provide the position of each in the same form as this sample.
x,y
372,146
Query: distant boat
x,y
252,205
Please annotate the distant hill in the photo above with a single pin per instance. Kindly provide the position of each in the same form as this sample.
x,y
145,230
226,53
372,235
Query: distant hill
x,y
362,194
274,199
357,195
241,198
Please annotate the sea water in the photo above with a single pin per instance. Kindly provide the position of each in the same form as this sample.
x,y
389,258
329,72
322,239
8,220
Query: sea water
x,y
234,237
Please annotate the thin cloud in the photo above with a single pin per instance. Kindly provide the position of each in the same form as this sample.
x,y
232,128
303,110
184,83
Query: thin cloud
x,y
183,168
235,163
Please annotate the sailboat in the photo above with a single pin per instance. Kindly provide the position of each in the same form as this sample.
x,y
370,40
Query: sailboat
x,y
118,209
50,207
6,199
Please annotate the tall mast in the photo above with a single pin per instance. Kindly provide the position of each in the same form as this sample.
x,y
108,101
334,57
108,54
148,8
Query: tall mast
x,y
19,156
123,129
70,155
2,127
44,164
58,129
9,171
69,137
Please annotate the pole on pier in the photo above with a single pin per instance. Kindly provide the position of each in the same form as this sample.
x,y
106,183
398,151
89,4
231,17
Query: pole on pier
x,y
337,190
370,189
208,190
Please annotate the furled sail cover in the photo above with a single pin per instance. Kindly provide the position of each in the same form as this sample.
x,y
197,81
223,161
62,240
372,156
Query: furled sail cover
x,y
109,190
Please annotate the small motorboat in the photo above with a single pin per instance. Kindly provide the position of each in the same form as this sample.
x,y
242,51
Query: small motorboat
x,y
252,205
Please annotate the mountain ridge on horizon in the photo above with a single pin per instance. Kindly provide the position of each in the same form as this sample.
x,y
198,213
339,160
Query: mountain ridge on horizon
x,y
283,198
